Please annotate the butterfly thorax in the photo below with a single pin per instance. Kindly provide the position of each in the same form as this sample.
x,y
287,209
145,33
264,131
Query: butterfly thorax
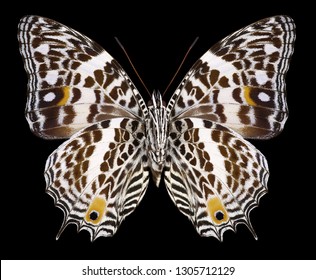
x,y
156,135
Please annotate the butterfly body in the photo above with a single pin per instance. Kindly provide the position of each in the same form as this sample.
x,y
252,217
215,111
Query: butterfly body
x,y
157,133
214,176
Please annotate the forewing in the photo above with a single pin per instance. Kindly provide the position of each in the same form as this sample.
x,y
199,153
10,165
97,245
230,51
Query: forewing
x,y
240,82
73,82
99,175
213,175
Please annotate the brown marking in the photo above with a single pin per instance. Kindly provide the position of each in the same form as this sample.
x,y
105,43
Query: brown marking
x,y
86,137
76,94
104,166
222,50
208,167
214,76
236,172
223,151
235,186
251,190
89,82
244,161
113,93
132,103
207,124
256,183
229,57
244,115
85,166
173,135
83,57
182,149
223,82
130,149
188,156
97,96
206,155
39,57
228,165
76,172
75,65
101,179
139,136
276,41
190,102
229,181
89,151
97,136
105,124
119,161
186,136
112,145
201,145
237,95
78,186
236,79
238,65
57,184
216,136
193,162
124,156
203,79
180,102
195,136
99,77
61,190
70,115
91,51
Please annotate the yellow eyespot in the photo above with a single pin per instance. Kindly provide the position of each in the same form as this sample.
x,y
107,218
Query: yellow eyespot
x,y
96,210
66,93
217,211
249,100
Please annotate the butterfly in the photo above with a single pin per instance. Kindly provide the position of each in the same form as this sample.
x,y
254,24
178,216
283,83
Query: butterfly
x,y
196,142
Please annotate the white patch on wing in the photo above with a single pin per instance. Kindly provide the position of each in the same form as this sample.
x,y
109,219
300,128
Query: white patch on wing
x,y
49,97
43,49
261,77
263,97
269,49
51,77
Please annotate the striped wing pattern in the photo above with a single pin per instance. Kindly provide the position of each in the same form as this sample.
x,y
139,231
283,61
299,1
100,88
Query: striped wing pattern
x,y
99,175
73,82
240,82
215,177
235,90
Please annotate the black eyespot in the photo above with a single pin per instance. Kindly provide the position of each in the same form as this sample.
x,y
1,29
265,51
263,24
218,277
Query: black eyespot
x,y
93,215
219,215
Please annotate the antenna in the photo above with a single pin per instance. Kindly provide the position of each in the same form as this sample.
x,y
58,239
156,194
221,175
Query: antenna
x,y
131,63
184,58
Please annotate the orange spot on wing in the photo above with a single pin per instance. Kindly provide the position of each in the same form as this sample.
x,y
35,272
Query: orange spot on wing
x,y
249,100
96,210
214,207
66,92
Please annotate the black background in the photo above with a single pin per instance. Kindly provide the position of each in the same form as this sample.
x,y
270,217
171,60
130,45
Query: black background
x,y
156,37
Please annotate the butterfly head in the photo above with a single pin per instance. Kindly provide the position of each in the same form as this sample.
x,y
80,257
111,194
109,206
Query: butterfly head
x,y
157,135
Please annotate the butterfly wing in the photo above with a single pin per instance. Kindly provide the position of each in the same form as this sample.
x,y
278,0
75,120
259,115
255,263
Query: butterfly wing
x,y
73,82
240,82
99,175
235,90
77,90
213,175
